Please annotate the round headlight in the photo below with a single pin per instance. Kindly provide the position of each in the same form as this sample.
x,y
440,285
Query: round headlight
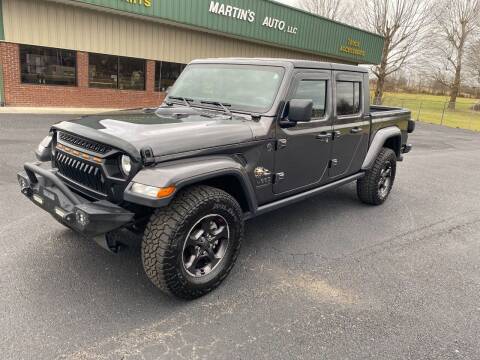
x,y
126,164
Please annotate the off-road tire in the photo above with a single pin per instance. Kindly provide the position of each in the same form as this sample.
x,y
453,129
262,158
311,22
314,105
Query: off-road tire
x,y
166,232
368,187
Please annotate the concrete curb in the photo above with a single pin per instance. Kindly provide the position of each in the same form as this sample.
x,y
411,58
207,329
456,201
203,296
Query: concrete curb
x,y
52,110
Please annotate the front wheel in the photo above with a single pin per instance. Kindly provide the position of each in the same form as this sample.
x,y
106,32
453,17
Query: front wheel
x,y
190,246
377,183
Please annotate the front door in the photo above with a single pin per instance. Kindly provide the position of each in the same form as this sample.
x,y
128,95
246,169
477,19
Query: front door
x,y
303,151
351,126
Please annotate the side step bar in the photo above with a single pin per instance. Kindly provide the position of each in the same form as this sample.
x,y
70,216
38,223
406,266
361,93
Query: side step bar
x,y
304,195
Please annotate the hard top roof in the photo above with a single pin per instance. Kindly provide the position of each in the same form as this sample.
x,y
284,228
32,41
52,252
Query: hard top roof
x,y
295,63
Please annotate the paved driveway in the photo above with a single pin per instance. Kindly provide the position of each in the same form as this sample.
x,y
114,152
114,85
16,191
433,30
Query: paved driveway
x,y
326,278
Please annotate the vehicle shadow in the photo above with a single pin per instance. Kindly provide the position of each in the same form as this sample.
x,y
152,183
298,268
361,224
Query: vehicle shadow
x,y
77,271
291,219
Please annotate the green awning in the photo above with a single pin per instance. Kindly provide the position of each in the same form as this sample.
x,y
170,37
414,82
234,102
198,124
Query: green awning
x,y
260,21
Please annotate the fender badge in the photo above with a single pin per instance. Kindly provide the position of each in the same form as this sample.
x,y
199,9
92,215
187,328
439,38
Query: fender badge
x,y
261,171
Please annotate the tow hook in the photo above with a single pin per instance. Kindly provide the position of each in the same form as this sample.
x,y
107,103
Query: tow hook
x,y
406,148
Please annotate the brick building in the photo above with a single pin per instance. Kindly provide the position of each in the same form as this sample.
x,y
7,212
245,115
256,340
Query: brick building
x,y
126,53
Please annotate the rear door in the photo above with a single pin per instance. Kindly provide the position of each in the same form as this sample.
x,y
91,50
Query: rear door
x,y
351,124
303,151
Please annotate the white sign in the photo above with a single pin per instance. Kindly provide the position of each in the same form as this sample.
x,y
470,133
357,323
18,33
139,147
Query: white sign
x,y
249,15
232,11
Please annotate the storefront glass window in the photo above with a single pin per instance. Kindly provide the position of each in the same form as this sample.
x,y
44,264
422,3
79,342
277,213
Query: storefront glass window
x,y
40,65
103,71
113,72
166,73
131,74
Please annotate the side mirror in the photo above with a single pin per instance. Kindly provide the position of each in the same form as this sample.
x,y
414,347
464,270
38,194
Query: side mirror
x,y
300,110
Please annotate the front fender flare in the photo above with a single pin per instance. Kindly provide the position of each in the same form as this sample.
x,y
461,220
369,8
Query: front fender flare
x,y
377,143
182,173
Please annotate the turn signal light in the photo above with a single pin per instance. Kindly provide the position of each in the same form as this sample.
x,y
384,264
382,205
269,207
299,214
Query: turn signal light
x,y
165,192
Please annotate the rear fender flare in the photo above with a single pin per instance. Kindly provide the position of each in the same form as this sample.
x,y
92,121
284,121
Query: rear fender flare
x,y
377,144
183,173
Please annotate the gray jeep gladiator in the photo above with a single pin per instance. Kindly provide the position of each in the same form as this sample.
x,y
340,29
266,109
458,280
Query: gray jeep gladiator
x,y
234,139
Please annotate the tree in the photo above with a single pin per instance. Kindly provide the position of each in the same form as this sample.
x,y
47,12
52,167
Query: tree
x,y
403,24
473,69
456,22
332,9
473,63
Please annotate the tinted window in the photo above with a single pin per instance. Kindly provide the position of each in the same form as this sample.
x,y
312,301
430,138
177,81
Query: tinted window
x,y
131,74
48,66
113,72
315,90
348,97
166,73
103,71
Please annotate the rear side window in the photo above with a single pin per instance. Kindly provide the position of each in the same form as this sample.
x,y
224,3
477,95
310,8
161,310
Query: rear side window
x,y
348,98
315,90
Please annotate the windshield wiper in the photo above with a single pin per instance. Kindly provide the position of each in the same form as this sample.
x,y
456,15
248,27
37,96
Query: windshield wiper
x,y
186,101
218,103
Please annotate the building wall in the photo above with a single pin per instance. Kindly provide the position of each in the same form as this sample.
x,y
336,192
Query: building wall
x,y
53,24
57,25
18,94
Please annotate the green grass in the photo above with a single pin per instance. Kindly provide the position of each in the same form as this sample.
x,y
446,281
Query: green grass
x,y
429,108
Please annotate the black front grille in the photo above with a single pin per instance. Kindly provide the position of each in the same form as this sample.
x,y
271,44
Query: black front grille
x,y
84,143
81,171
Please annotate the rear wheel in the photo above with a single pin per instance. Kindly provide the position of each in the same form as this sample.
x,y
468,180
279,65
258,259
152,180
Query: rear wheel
x,y
190,246
377,183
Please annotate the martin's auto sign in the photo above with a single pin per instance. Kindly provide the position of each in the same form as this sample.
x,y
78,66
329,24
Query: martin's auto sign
x,y
250,16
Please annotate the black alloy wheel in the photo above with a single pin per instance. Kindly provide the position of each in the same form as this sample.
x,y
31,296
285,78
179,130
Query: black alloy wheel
x,y
206,245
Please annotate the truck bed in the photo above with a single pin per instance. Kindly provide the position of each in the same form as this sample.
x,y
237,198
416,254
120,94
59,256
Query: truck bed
x,y
384,111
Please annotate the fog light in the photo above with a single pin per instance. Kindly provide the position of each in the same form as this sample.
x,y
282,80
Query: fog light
x,y
38,199
60,212
81,217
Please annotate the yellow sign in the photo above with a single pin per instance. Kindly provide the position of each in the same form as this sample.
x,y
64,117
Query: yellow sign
x,y
146,3
353,47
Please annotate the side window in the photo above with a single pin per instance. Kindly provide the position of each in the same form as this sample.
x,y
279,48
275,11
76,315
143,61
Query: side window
x,y
348,98
315,90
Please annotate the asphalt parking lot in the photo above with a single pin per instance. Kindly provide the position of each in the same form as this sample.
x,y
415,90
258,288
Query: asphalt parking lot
x,y
328,278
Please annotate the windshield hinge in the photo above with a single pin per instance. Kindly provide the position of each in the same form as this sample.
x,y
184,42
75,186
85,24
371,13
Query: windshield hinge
x,y
147,156
278,177
256,117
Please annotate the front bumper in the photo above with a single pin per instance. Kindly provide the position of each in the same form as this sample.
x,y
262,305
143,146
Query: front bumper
x,y
91,219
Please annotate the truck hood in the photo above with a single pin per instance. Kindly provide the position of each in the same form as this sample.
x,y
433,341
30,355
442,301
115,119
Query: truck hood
x,y
167,130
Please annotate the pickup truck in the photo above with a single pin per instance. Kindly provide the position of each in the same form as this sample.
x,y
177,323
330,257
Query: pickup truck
x,y
234,139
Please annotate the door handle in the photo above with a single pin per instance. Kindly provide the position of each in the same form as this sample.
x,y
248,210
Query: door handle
x,y
356,130
324,136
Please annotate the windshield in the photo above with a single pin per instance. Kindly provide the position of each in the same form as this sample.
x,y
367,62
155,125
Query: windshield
x,y
242,87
